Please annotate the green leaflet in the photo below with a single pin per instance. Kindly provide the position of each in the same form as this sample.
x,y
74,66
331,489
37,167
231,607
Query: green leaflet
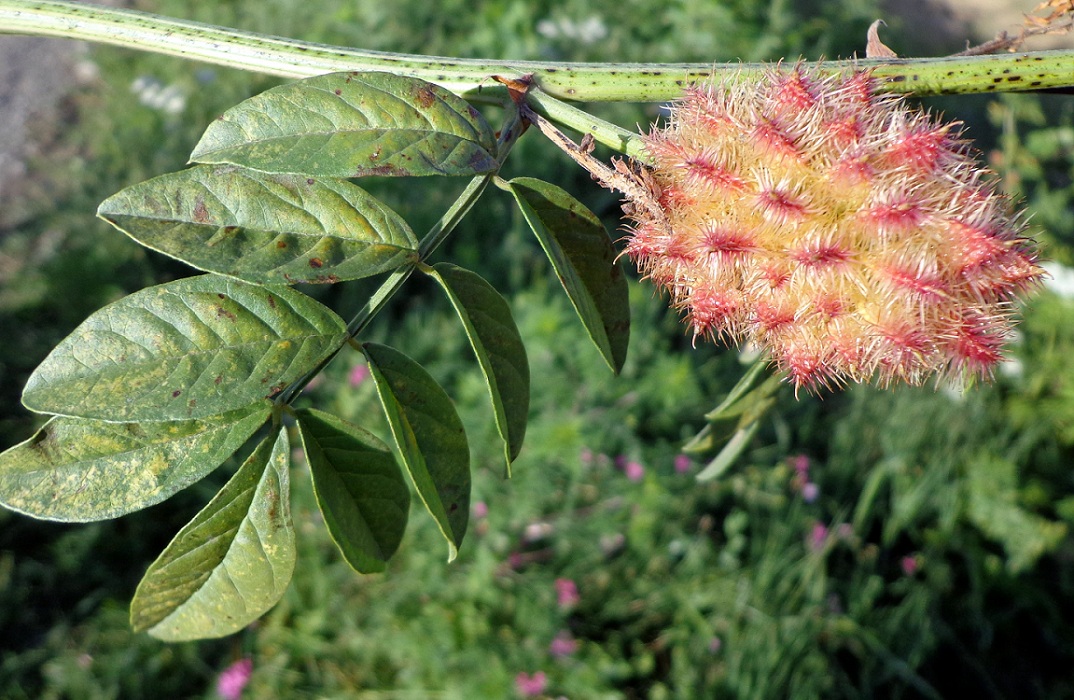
x,y
583,257
359,487
498,346
79,470
732,425
188,349
231,563
429,436
351,125
266,229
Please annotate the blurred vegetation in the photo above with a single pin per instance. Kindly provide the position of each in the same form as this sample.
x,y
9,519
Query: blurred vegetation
x,y
909,543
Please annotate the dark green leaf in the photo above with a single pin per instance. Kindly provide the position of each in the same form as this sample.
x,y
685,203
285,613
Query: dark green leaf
x,y
359,488
498,346
583,257
351,125
188,349
429,436
267,229
79,470
231,563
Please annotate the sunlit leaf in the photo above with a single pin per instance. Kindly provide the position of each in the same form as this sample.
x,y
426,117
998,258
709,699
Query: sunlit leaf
x,y
350,125
77,470
188,349
583,257
429,436
359,487
267,229
498,346
231,563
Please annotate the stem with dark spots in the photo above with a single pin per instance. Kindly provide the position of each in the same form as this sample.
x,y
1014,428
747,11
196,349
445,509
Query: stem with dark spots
x,y
588,82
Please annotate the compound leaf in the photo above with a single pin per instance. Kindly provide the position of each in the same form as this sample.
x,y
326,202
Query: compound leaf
x,y
351,125
231,563
183,350
429,436
498,346
266,229
78,470
359,487
583,257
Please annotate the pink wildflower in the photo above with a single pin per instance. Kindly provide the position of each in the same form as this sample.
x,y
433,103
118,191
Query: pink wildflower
x,y
810,491
480,509
358,374
909,565
234,678
566,593
530,686
682,464
563,645
818,536
634,470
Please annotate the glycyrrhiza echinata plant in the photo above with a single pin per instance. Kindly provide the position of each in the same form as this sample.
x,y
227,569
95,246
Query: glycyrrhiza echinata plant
x,y
798,208
846,234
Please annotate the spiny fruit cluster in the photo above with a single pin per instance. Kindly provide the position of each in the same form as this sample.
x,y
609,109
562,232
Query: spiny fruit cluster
x,y
846,234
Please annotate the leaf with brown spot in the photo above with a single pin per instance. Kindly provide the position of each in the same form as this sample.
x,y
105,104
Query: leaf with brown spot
x,y
232,562
262,228
351,125
176,339
78,470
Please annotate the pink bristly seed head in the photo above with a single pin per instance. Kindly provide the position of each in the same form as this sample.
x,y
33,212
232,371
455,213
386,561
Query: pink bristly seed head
x,y
849,235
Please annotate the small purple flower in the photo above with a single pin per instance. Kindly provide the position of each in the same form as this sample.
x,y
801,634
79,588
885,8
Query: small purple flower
x,y
563,645
531,686
909,565
634,470
566,593
682,464
234,679
818,536
358,374
800,464
810,491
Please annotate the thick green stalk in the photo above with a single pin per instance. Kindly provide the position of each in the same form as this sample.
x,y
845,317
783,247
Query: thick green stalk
x,y
626,82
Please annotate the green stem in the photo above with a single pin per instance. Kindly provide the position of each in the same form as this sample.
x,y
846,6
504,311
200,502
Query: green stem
x,y
625,82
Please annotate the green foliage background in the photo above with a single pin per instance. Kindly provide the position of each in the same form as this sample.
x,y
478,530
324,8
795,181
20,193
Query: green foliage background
x,y
938,548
